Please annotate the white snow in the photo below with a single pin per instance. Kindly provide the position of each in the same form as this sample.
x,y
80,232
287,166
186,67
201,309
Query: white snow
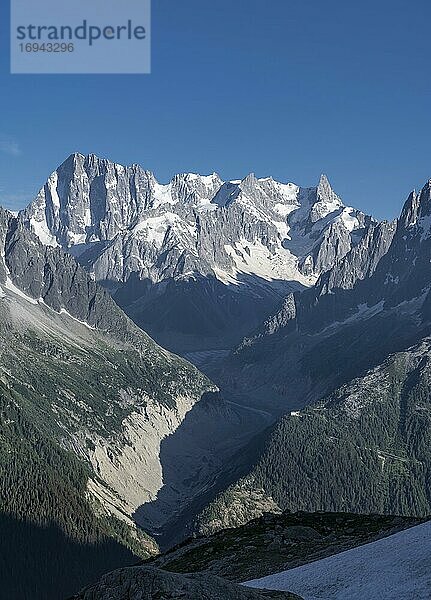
x,y
74,238
289,191
398,566
208,180
285,209
286,195
63,311
254,258
12,288
282,228
154,228
40,228
163,195
204,204
323,208
87,217
348,219
52,187
225,277
282,208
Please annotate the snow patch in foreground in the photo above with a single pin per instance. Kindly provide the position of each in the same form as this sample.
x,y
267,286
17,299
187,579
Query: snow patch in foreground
x,y
398,566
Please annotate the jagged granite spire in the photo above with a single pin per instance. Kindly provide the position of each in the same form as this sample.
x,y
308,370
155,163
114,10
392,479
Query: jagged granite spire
x,y
327,200
145,239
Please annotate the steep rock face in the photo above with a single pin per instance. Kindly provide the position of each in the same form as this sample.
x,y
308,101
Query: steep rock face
x,y
276,322
197,241
362,260
373,301
53,277
390,264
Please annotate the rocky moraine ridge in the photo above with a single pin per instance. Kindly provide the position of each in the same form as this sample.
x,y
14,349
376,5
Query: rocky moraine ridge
x,y
115,435
313,318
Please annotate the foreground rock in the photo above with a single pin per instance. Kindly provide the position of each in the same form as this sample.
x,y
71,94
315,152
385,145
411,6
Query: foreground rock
x,y
277,542
146,583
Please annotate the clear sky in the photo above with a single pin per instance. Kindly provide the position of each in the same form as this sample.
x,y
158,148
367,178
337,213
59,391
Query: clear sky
x,y
278,87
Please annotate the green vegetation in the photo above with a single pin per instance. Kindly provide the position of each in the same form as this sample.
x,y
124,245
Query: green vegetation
x,y
366,448
45,520
56,397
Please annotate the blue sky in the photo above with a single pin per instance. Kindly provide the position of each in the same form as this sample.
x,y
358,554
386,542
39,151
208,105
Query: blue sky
x,y
281,88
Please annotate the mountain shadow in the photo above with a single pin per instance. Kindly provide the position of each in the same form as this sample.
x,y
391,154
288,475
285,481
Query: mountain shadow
x,y
215,444
200,313
42,563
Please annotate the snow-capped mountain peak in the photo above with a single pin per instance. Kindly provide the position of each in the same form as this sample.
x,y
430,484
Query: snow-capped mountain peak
x,y
124,225
90,201
327,201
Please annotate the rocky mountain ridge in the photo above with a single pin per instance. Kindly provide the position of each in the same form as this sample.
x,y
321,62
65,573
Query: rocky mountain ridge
x,y
146,583
331,360
115,434
349,362
374,301
274,542
186,259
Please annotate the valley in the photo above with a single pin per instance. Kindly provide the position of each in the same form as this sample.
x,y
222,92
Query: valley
x,y
294,376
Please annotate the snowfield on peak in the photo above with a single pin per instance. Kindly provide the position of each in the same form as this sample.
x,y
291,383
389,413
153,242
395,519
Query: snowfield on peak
x,y
193,246
91,200
398,566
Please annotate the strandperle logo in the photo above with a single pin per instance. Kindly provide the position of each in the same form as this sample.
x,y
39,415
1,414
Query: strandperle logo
x,y
84,32
101,36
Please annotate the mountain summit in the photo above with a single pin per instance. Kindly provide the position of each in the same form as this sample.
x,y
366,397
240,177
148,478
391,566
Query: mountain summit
x,y
187,258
